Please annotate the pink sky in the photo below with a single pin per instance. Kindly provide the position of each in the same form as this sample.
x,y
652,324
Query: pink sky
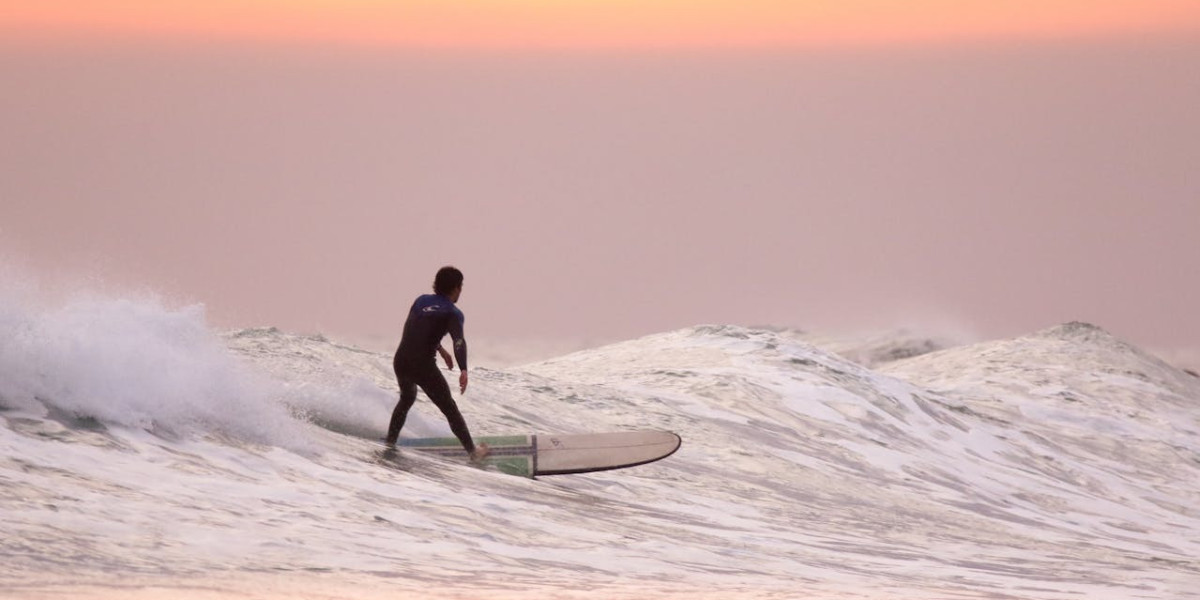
x,y
1001,186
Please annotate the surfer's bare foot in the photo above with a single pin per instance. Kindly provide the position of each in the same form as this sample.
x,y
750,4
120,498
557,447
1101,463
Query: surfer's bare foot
x,y
481,451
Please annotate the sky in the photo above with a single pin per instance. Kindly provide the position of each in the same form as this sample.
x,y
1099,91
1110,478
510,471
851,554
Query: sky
x,y
597,23
608,168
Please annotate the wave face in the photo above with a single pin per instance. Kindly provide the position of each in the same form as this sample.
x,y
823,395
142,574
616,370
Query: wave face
x,y
145,455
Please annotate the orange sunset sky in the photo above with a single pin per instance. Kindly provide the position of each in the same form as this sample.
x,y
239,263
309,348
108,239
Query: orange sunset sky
x,y
992,167
596,23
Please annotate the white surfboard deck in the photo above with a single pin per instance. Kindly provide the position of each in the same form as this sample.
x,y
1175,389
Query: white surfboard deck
x,y
545,454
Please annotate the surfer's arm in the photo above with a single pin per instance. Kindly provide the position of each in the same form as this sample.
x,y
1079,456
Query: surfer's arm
x,y
460,348
460,343
446,357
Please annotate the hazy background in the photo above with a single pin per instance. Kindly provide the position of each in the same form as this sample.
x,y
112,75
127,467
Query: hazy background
x,y
992,187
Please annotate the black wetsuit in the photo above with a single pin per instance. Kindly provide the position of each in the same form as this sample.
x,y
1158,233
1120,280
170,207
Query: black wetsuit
x,y
429,320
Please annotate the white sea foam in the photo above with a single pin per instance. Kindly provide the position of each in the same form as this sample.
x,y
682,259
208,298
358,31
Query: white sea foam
x,y
137,363
1058,465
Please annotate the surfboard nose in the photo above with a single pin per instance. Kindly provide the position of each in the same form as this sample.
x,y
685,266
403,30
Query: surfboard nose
x,y
589,452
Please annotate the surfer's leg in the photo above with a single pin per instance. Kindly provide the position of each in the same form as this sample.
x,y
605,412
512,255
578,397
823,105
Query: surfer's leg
x,y
439,392
408,395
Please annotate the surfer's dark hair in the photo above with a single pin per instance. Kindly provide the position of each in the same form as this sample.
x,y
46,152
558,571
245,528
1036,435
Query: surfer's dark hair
x,y
447,280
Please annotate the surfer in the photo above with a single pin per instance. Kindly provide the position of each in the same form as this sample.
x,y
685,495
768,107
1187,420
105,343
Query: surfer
x,y
431,317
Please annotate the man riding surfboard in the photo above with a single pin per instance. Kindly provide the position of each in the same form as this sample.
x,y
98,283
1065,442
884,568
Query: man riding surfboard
x,y
431,317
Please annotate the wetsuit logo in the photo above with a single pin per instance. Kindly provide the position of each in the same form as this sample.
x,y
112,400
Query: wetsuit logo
x,y
434,308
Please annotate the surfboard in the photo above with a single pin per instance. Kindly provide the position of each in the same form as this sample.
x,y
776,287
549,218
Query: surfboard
x,y
543,454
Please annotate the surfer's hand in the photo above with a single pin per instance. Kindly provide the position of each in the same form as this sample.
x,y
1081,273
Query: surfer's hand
x,y
462,382
446,357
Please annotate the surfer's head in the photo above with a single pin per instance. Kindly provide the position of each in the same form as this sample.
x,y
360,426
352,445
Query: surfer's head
x,y
448,283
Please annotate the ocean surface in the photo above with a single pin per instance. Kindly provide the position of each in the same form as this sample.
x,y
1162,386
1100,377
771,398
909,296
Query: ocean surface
x,y
144,454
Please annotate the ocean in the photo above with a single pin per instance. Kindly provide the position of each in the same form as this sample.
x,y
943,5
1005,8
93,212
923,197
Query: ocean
x,y
146,454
